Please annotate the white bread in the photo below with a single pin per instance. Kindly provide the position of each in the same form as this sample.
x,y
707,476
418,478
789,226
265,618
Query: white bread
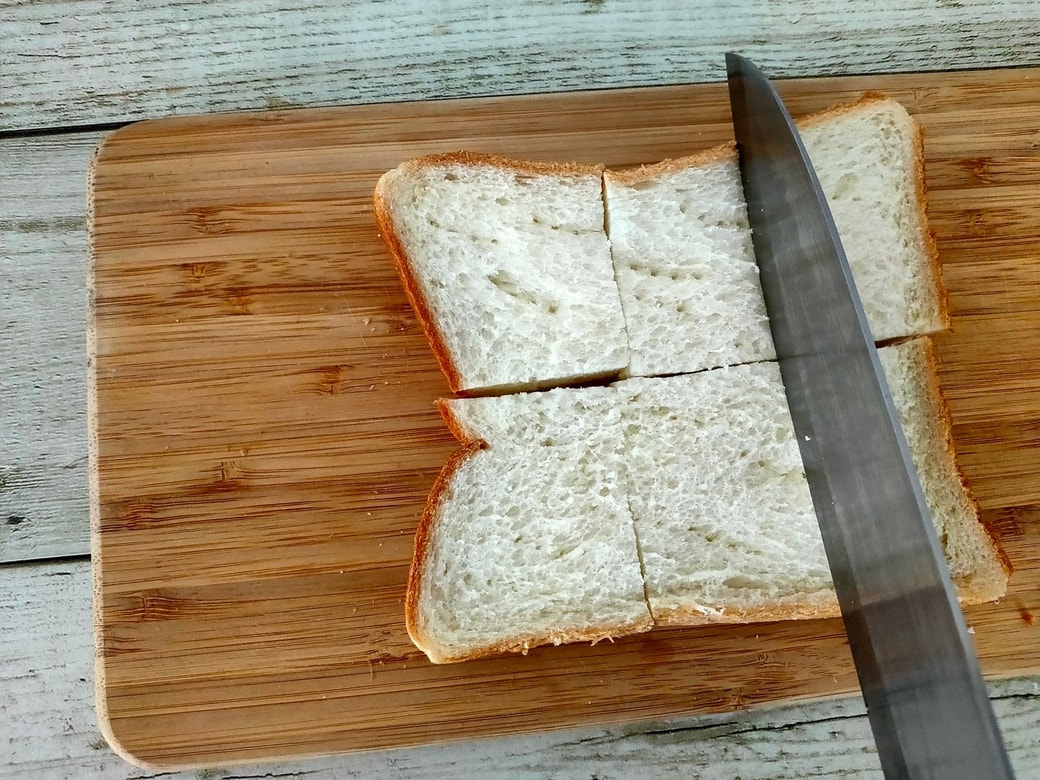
x,y
583,514
685,264
527,537
723,514
978,567
869,158
508,267
722,511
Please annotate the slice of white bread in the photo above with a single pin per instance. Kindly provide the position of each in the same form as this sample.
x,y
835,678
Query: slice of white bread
x,y
527,537
508,267
869,158
977,565
723,514
685,264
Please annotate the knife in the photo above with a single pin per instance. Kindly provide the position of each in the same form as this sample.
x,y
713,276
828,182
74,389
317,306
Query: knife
x,y
920,679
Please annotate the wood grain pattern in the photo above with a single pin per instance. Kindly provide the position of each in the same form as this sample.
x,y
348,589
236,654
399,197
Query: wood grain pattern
x,y
264,430
50,731
79,62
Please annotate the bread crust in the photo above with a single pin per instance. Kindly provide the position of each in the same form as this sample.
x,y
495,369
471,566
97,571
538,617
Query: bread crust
x,y
820,606
726,152
524,642
412,290
423,536
427,520
927,235
534,167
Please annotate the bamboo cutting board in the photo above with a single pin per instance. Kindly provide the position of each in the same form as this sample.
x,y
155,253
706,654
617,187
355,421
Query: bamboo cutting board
x,y
263,430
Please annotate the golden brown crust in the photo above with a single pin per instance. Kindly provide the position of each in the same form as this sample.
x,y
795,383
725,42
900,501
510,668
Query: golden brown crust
x,y
626,178
522,643
532,167
843,109
423,535
819,606
412,289
428,517
927,234
448,415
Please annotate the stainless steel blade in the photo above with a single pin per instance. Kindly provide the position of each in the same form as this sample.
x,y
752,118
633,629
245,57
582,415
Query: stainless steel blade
x,y
920,678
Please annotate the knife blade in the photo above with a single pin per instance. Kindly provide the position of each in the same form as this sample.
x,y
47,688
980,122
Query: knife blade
x,y
926,700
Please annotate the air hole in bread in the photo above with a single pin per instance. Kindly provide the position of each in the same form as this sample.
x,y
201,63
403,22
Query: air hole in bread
x,y
742,582
648,184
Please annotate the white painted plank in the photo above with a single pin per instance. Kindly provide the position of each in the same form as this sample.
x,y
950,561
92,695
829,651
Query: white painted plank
x,y
48,728
43,267
87,61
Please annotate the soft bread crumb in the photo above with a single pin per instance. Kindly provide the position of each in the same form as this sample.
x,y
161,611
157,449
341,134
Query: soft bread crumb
x,y
530,540
684,259
685,265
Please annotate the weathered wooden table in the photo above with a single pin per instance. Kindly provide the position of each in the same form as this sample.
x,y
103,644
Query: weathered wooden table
x,y
71,71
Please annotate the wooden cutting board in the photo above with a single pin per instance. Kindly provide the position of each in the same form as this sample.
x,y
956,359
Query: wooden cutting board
x,y
263,431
